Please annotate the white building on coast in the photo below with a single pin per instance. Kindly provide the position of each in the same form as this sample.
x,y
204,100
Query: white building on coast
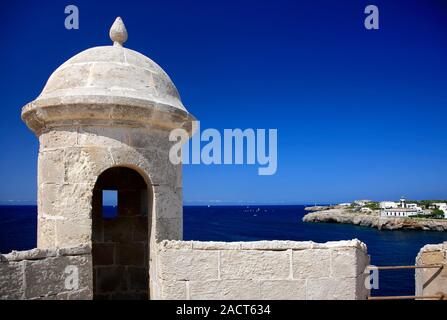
x,y
443,207
403,209
399,212
388,204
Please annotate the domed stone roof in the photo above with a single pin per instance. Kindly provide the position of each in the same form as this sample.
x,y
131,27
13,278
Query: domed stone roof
x,y
112,71
110,75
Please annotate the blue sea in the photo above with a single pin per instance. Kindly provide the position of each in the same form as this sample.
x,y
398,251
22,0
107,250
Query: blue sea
x,y
246,223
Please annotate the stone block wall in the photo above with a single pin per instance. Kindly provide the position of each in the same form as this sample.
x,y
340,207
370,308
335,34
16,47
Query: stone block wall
x,y
432,281
72,157
260,270
46,274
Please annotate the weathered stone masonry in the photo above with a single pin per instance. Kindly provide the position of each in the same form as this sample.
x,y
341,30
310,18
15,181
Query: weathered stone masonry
x,y
204,270
261,270
108,111
432,281
42,273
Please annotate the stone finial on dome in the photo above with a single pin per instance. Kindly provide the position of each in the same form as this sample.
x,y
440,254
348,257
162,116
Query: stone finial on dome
x,y
118,32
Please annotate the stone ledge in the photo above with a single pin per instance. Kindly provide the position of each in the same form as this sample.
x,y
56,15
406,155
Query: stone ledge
x,y
276,245
433,247
216,245
354,243
174,244
39,254
261,245
75,251
33,254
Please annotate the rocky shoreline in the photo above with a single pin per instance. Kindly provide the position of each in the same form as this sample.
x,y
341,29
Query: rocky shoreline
x,y
374,220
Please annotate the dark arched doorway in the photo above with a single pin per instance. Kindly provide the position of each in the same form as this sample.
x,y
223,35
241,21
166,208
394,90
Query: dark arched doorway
x,y
120,246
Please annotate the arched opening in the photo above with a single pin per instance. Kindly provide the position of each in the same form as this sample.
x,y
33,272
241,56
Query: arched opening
x,y
120,236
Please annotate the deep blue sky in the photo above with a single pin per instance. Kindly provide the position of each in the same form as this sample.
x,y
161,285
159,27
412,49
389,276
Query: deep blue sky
x,y
360,114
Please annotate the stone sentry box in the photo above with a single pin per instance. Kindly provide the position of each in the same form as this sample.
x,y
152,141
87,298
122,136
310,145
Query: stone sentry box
x,y
103,122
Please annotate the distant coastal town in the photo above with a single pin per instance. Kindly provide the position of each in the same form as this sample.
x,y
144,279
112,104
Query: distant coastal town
x,y
402,214
435,209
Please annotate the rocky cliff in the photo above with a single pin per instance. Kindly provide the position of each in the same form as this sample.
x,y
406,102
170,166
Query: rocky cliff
x,y
375,221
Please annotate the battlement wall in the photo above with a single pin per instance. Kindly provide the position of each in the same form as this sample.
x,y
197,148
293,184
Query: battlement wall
x,y
432,282
202,270
260,270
